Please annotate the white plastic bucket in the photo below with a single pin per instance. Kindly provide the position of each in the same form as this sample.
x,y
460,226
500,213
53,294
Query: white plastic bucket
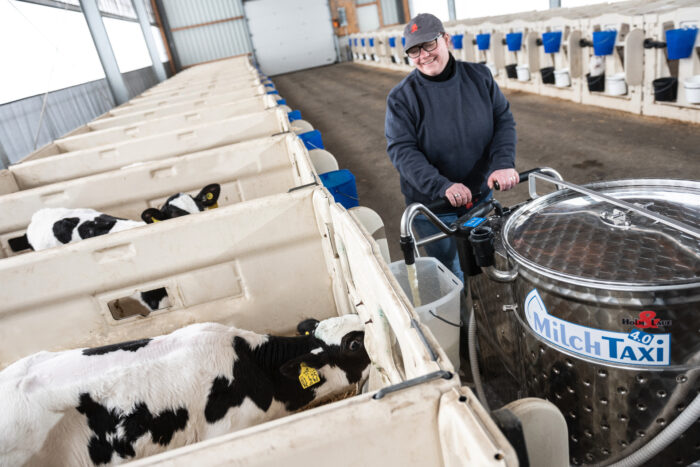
x,y
615,85
523,72
562,79
692,89
439,294
492,68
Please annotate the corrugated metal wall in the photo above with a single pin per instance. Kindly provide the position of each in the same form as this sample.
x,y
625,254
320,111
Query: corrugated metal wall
x,y
66,109
207,30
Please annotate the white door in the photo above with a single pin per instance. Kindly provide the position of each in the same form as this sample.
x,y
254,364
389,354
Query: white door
x,y
290,35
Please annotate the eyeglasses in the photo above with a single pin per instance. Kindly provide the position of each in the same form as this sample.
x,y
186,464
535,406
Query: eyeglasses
x,y
414,51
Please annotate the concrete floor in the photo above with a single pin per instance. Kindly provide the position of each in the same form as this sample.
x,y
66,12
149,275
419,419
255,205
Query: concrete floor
x,y
346,102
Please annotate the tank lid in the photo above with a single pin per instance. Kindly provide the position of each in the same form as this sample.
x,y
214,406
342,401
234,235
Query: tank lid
x,y
572,237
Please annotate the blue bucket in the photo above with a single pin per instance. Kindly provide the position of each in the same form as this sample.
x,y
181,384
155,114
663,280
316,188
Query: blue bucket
x,y
362,41
604,42
551,41
403,42
514,40
273,92
483,41
457,40
355,41
392,42
294,115
371,42
341,184
269,85
680,42
312,140
281,102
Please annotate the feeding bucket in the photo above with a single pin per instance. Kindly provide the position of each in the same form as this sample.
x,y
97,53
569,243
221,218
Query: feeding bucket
x,y
483,41
562,78
692,89
680,42
514,41
596,83
604,42
439,291
523,72
547,75
341,184
616,85
392,42
665,89
492,68
551,41
457,41
511,72
312,140
371,42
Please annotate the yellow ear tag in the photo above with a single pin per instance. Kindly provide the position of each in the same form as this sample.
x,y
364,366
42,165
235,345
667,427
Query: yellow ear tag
x,y
308,376
154,220
214,206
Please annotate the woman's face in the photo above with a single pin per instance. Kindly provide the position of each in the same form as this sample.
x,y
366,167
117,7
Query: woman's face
x,y
434,62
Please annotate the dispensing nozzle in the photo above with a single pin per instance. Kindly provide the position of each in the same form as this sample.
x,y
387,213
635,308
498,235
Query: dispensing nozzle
x,y
408,249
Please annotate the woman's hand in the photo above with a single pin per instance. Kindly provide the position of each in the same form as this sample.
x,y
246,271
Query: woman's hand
x,y
506,178
458,195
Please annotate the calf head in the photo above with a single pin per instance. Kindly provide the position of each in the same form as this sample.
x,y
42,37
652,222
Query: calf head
x,y
181,204
337,345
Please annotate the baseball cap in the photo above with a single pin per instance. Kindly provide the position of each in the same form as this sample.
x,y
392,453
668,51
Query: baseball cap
x,y
423,28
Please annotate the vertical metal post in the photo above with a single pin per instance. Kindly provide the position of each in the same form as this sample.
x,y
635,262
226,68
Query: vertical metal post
x,y
141,13
453,10
159,10
104,50
554,3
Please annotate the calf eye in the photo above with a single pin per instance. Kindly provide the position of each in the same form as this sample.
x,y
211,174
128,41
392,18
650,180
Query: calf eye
x,y
354,345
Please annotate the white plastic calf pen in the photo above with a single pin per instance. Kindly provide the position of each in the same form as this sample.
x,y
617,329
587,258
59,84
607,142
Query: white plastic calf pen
x,y
152,127
245,171
112,156
262,265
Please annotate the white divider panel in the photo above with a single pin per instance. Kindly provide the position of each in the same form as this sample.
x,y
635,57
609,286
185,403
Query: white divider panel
x,y
157,126
186,140
155,102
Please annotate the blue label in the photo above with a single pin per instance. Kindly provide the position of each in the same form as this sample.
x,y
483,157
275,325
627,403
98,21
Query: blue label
x,y
474,221
641,337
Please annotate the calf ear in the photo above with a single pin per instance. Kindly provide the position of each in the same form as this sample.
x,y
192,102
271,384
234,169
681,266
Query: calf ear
x,y
151,215
209,195
306,327
292,368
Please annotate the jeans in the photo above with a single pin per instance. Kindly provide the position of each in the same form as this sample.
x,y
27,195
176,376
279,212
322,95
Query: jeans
x,y
444,250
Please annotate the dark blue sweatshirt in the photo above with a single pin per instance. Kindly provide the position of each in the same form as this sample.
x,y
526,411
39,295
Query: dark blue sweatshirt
x,y
455,131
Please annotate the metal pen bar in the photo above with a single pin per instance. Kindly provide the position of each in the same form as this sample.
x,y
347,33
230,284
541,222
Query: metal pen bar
x,y
690,230
430,239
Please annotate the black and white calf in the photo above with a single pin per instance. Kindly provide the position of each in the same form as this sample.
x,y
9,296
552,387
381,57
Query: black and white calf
x,y
113,404
51,227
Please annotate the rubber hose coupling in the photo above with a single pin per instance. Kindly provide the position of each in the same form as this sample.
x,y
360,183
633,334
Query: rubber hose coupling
x,y
482,239
409,252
